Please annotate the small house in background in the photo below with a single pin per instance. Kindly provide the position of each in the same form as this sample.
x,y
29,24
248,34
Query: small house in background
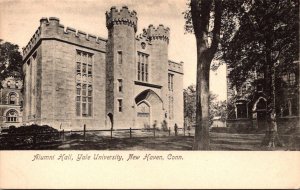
x,y
11,101
247,105
217,121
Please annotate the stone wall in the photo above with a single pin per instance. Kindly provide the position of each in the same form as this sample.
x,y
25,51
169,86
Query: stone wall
x,y
51,76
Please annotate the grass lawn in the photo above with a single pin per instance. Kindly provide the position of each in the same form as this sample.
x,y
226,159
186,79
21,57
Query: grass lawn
x,y
219,141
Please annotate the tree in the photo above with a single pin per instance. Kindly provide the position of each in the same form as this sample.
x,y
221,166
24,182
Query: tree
x,y
189,95
267,40
10,61
210,21
198,20
216,108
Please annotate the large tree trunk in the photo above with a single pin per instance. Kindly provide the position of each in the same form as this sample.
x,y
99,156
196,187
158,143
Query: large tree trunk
x,y
271,139
201,140
201,12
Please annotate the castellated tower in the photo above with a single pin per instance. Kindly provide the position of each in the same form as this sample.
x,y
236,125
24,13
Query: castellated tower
x,y
120,67
159,38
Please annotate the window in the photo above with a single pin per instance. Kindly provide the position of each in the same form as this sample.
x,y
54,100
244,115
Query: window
x,y
171,107
260,87
120,85
289,78
84,87
170,82
8,84
260,75
292,78
12,98
243,89
120,105
120,57
241,110
12,116
143,67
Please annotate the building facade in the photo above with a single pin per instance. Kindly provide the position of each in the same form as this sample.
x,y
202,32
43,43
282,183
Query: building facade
x,y
247,105
73,78
11,101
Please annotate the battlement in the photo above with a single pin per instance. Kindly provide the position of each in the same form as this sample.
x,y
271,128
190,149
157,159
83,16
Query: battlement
x,y
159,33
124,16
12,82
52,29
175,67
143,37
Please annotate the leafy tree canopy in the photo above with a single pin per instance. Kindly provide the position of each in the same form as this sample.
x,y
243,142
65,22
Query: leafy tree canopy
x,y
268,33
10,61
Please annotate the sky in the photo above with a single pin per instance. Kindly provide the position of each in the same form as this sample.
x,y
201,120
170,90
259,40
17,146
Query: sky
x,y
19,19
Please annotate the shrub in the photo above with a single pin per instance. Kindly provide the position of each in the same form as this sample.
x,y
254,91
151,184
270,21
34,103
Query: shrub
x,y
27,135
164,125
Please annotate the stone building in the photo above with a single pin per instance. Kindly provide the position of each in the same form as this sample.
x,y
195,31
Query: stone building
x,y
73,78
247,105
10,103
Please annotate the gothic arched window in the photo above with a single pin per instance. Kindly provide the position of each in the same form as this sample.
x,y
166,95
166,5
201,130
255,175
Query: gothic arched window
x,y
12,98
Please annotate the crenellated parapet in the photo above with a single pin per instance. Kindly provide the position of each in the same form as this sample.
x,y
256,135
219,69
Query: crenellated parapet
x,y
143,38
175,67
12,82
159,33
52,29
122,17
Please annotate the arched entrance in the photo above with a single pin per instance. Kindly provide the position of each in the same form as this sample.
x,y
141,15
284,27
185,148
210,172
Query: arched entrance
x,y
143,114
149,108
110,120
260,107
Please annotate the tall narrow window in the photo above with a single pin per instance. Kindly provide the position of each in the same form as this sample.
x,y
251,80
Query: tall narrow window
x,y
120,57
120,85
143,72
292,78
12,99
120,105
139,71
171,107
142,67
84,88
170,82
90,100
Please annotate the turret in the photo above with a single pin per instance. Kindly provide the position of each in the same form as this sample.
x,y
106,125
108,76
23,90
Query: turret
x,y
159,33
120,65
159,38
124,17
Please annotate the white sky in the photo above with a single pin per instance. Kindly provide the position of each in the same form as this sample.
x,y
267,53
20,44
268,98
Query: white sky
x,y
19,20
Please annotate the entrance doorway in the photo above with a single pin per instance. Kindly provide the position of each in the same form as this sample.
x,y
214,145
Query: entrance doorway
x,y
149,109
143,115
261,110
110,120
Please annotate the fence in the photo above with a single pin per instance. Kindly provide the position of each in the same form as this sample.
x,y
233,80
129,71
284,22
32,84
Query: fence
x,y
33,138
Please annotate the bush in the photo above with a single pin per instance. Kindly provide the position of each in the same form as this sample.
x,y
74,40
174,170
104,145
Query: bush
x,y
164,125
28,135
32,129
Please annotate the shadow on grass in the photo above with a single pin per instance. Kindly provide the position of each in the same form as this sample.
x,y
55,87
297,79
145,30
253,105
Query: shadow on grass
x,y
219,141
